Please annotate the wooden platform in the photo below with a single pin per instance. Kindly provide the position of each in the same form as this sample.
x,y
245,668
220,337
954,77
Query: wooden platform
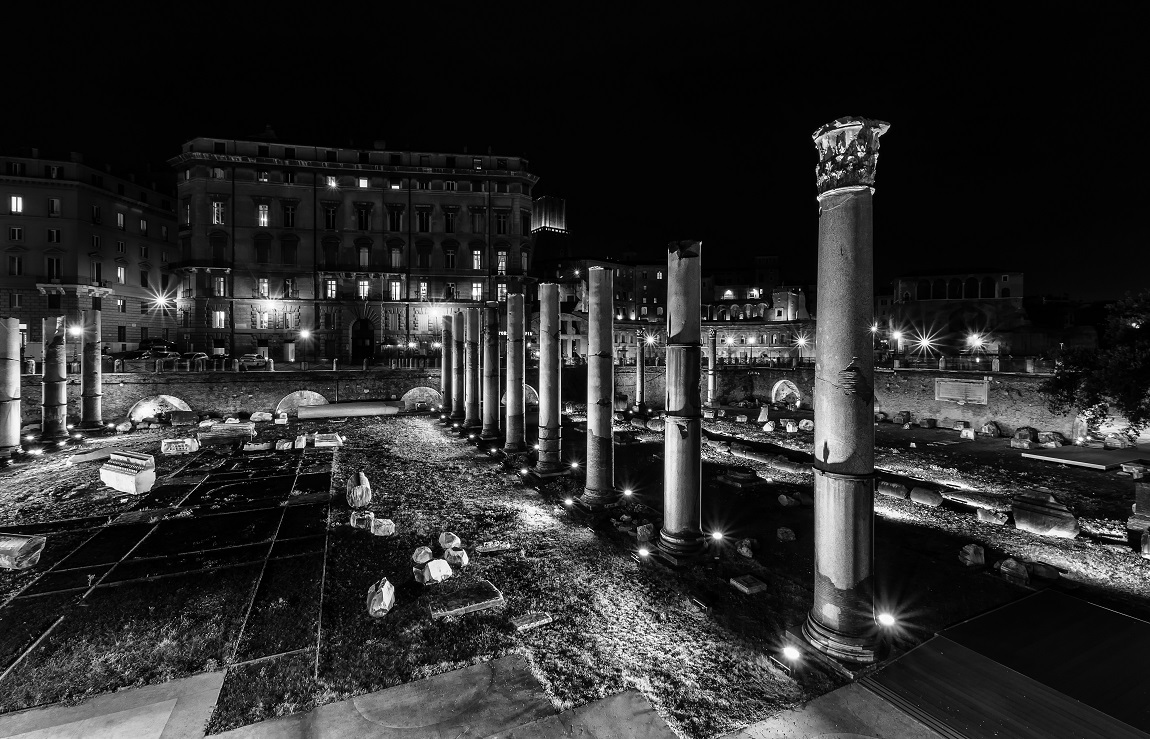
x,y
1047,666
1095,459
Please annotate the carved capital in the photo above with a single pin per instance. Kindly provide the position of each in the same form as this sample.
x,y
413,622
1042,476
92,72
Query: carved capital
x,y
848,152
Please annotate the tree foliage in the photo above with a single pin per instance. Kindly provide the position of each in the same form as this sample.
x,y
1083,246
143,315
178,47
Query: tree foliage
x,y
1114,378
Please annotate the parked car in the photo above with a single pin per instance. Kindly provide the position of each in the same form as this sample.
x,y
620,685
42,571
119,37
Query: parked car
x,y
252,360
135,354
192,358
151,344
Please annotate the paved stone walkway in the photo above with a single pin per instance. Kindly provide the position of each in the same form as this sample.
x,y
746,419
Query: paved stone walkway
x,y
499,699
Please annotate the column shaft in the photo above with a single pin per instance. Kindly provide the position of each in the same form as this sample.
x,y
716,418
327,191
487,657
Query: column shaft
x,y
91,374
490,372
459,367
550,411
446,369
516,368
712,361
681,536
841,622
640,370
599,489
471,366
9,385
54,416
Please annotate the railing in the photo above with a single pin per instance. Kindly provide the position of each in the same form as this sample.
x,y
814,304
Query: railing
x,y
983,363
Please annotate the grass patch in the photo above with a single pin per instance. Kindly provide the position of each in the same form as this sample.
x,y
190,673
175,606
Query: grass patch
x,y
276,687
232,492
67,579
163,496
108,546
133,635
304,520
58,546
23,621
296,547
286,608
134,569
211,532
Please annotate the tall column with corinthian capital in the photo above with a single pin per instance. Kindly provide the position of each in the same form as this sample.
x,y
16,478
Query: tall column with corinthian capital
x,y
842,621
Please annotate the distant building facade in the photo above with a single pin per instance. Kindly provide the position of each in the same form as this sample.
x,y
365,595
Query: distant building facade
x,y
348,253
78,237
956,312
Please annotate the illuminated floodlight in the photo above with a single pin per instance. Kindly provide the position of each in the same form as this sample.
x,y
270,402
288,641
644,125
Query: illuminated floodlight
x,y
650,341
411,345
801,341
569,501
717,535
791,653
455,425
62,443
574,465
76,330
730,340
524,471
30,437
974,340
886,619
36,451
437,345
536,447
71,426
874,328
896,335
644,552
305,334
627,491
471,436
77,436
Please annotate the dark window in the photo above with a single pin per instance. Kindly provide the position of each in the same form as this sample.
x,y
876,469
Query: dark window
x,y
363,219
144,277
449,259
451,162
501,164
395,160
263,251
424,259
449,222
524,224
54,300
423,221
289,252
330,253
363,157
331,156
395,220
289,177
289,216
221,147
289,152
263,151
144,333
121,333
329,218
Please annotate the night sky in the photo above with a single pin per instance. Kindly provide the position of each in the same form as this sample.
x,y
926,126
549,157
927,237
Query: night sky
x,y
1014,144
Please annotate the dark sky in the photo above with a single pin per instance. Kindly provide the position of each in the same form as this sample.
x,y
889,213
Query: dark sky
x,y
1015,143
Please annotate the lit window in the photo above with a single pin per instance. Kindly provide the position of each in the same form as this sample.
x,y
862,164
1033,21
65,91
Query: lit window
x,y
262,319
423,291
659,275
331,182
262,216
396,292
217,213
217,173
219,319
15,233
394,184
120,221
16,203
477,291
121,275
477,260
144,226
121,305
501,291
53,236
364,256
54,206
15,265
219,287
449,185
262,176
362,289
329,289
396,258
263,287
361,181
501,262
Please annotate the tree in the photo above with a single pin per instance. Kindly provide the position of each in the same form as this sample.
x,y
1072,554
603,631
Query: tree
x,y
1116,377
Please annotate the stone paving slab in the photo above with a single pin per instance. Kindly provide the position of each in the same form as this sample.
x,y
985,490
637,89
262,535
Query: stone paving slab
x,y
469,703
627,715
172,710
850,711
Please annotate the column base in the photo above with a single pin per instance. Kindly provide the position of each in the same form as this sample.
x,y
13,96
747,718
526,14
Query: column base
x,y
854,649
678,549
515,447
90,425
550,467
489,435
598,499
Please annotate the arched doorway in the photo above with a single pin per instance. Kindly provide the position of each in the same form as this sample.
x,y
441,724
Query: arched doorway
x,y
155,406
362,340
786,392
291,402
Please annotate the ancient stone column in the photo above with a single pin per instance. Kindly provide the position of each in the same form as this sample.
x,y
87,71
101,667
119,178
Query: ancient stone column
x,y
712,361
446,369
515,429
54,416
640,368
471,369
459,367
9,385
91,374
680,539
599,489
491,388
550,418
842,621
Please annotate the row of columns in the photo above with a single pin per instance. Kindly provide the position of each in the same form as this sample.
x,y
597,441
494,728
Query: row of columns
x,y
54,403
460,384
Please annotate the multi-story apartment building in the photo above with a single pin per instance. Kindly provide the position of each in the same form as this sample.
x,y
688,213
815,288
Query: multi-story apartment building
x,y
355,252
78,237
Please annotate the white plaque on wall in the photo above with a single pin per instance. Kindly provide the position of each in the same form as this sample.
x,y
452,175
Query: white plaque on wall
x,y
961,391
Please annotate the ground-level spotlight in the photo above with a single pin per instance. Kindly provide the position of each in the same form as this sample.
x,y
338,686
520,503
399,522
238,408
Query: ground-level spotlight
x,y
643,552
536,447
717,535
30,437
471,436
77,436
791,654
455,425
62,443
627,491
70,427
574,465
524,471
569,502
885,619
